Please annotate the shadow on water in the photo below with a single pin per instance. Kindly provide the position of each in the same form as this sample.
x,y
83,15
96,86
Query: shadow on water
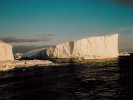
x,y
126,77
91,81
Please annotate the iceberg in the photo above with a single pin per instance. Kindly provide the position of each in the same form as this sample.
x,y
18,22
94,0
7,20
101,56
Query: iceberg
x,y
5,51
88,48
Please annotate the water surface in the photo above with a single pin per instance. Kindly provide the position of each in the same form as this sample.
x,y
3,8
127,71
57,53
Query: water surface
x,y
91,81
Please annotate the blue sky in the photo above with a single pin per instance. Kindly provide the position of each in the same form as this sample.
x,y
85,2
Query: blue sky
x,y
48,22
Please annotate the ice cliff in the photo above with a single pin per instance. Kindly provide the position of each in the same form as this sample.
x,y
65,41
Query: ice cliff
x,y
87,48
5,51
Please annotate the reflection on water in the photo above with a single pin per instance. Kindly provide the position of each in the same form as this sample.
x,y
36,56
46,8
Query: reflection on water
x,y
92,81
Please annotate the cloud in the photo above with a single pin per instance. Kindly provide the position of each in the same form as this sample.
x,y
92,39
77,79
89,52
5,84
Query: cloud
x,y
126,30
126,2
45,35
125,42
24,49
15,39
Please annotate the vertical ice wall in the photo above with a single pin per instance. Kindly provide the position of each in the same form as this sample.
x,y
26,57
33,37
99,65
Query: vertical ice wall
x,y
87,48
5,51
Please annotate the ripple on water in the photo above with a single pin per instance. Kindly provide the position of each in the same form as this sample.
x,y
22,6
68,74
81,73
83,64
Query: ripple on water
x,y
96,81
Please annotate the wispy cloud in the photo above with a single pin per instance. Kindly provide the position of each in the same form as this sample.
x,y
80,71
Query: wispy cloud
x,y
126,2
24,49
125,29
15,39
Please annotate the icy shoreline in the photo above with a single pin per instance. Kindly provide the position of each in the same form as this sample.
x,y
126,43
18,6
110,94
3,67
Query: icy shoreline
x,y
8,65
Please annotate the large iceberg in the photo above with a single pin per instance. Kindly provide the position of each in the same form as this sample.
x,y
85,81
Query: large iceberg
x,y
87,48
5,51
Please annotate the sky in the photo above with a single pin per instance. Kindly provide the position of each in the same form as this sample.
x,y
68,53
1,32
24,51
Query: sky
x,y
29,23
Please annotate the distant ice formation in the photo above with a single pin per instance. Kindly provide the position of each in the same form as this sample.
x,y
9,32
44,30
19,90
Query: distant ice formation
x,y
124,54
87,48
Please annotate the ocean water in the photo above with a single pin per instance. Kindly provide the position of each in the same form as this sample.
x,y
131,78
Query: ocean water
x,y
90,81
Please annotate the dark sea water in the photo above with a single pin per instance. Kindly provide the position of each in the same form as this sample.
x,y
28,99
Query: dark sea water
x,y
91,81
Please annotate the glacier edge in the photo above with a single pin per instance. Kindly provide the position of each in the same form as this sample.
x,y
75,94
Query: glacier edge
x,y
87,48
